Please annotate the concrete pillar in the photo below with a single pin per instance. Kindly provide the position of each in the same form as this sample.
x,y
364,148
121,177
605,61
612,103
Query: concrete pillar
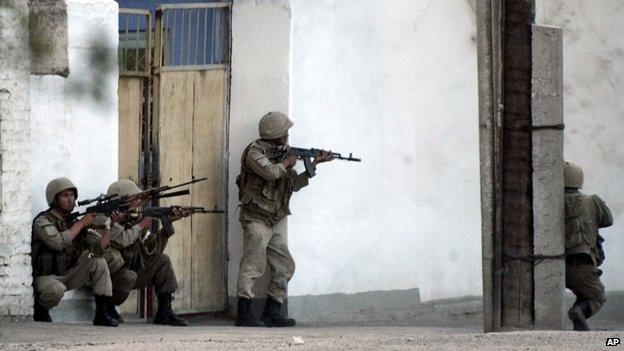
x,y
489,60
521,123
15,266
259,84
548,197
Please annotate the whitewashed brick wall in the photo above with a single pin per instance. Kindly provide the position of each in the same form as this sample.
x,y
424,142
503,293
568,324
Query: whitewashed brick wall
x,y
15,267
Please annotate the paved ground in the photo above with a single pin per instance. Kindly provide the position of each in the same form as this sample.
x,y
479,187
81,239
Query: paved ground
x,y
138,336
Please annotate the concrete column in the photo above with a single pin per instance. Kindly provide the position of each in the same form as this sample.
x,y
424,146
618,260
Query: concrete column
x,y
548,197
15,266
259,84
522,204
489,60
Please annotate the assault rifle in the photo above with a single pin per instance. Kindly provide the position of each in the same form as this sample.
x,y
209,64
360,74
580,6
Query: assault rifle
x,y
306,155
165,213
108,204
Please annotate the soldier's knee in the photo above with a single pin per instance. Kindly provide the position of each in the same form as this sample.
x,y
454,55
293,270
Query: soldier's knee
x,y
125,279
98,264
166,261
51,294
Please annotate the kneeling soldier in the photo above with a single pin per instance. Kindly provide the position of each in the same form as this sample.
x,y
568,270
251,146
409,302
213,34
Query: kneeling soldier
x,y
66,257
584,214
142,254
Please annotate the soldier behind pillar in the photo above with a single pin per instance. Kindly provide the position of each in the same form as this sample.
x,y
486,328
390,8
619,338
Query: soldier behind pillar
x,y
66,256
265,186
584,214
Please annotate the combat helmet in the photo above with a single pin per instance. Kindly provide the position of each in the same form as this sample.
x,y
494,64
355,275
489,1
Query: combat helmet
x,y
274,125
123,187
572,175
55,186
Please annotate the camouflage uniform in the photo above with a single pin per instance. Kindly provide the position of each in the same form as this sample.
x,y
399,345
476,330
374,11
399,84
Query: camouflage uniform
x,y
265,187
141,261
61,264
145,261
584,215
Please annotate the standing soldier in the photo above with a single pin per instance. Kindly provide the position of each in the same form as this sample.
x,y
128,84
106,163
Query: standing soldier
x,y
142,257
584,214
265,186
66,257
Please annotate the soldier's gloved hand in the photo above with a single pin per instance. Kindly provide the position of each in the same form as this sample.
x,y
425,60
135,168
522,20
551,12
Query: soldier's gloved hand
x,y
289,161
145,223
325,156
179,213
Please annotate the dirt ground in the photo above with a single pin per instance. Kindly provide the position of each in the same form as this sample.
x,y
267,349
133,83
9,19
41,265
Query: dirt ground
x,y
203,336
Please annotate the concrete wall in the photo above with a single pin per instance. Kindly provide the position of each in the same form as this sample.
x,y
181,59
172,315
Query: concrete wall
x,y
396,84
593,68
15,269
74,119
260,81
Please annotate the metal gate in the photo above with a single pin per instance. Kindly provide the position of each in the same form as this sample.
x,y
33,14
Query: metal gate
x,y
135,60
184,135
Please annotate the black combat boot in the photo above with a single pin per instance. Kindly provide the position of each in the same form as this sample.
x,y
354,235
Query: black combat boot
x,y
271,317
578,314
102,317
112,311
41,313
245,318
164,314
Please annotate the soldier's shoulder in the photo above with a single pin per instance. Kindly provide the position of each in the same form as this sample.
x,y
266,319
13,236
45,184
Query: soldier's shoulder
x,y
598,200
44,217
258,145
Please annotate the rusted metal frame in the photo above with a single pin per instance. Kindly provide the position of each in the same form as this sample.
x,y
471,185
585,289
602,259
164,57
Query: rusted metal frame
x,y
489,23
134,11
192,68
195,5
213,35
227,92
125,54
205,34
185,51
218,44
196,34
136,43
188,38
174,38
134,73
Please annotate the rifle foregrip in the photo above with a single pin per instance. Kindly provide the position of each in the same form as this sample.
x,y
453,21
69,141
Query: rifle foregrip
x,y
309,166
167,225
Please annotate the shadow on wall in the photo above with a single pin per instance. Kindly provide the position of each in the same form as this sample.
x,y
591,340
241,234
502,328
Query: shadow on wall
x,y
102,60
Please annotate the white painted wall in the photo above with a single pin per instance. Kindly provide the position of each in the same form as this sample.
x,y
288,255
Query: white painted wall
x,y
396,84
260,80
593,111
74,119
15,263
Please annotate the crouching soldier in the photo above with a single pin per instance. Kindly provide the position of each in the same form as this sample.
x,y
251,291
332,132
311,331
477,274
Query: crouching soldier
x,y
143,257
66,254
584,214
